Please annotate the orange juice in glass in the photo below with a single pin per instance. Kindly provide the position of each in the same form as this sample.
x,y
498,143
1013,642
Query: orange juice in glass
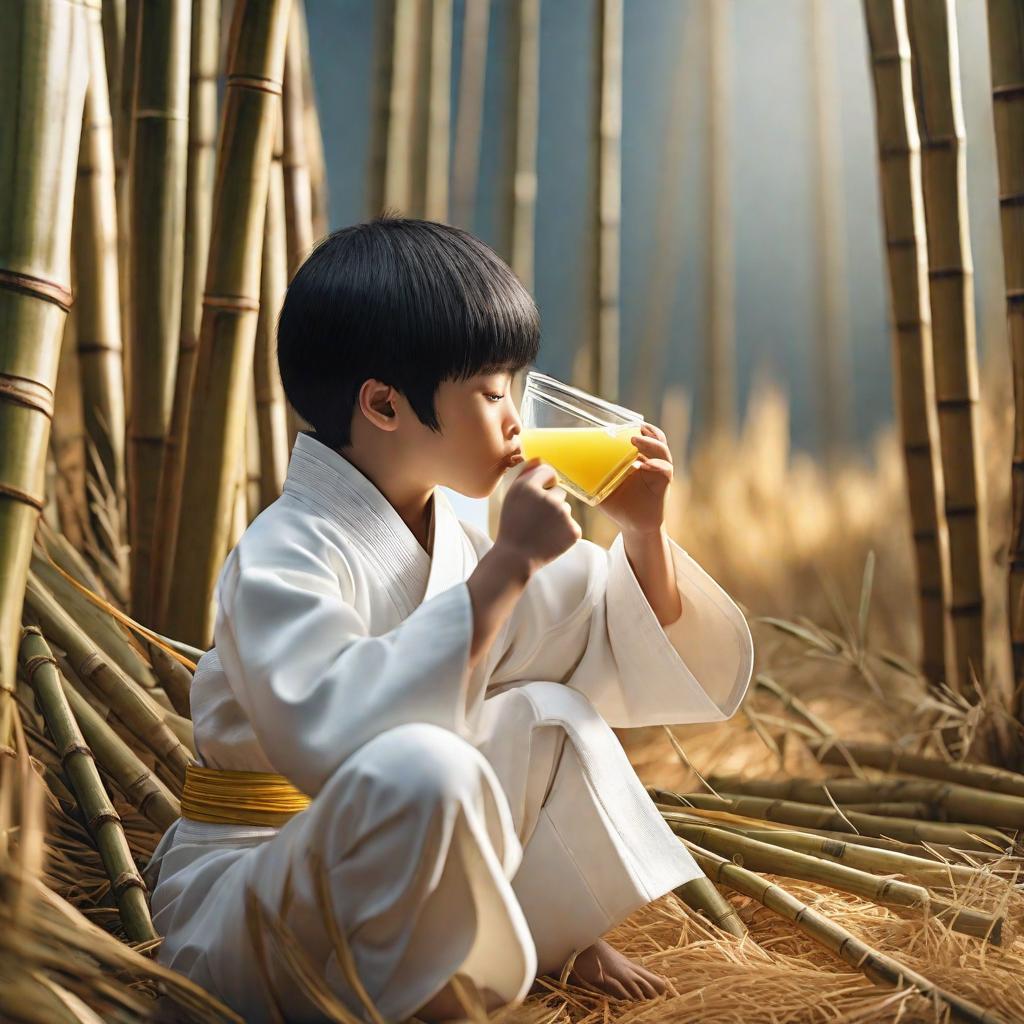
x,y
585,438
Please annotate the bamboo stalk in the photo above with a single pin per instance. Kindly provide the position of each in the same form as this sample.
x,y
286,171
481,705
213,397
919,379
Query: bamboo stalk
x,y
297,193
383,73
469,112
227,338
933,41
174,678
103,821
43,75
113,22
138,784
314,140
771,859
420,121
957,801
98,310
701,895
1006,53
435,202
880,968
141,715
397,195
891,759
914,373
158,178
271,411
202,137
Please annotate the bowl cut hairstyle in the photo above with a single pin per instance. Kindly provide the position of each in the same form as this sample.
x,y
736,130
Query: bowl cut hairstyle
x,y
408,302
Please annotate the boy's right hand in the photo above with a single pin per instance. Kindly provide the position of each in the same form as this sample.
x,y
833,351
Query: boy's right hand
x,y
536,523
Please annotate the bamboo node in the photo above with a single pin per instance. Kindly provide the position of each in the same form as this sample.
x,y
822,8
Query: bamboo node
x,y
30,666
75,748
102,817
31,393
127,880
270,85
23,496
37,287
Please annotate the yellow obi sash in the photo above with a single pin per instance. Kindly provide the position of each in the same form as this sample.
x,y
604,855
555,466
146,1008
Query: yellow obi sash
x,y
225,797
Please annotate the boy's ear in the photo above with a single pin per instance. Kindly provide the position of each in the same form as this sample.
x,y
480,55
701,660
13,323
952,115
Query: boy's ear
x,y
377,402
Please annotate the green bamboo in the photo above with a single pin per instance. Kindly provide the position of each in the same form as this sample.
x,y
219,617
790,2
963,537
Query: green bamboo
x,y
103,821
202,134
469,111
137,783
891,759
914,374
174,678
959,802
224,367
98,309
1006,59
701,895
158,730
968,836
271,408
880,968
43,76
933,43
775,860
159,161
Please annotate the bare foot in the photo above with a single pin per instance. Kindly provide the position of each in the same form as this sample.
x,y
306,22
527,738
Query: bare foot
x,y
604,968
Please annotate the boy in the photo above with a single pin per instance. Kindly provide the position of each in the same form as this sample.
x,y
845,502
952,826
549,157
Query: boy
x,y
423,712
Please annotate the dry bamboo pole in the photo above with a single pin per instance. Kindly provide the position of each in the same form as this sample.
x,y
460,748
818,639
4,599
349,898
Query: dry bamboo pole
x,y
156,728
224,365
123,140
960,802
77,760
879,967
469,112
252,439
383,74
646,385
63,554
174,678
701,895
98,309
1006,58
965,836
770,859
271,412
889,759
202,140
832,393
913,369
297,192
435,201
932,29
398,192
420,126
719,371
113,22
156,257
43,75
314,140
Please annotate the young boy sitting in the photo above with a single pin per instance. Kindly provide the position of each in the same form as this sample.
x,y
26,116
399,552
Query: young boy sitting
x,y
404,729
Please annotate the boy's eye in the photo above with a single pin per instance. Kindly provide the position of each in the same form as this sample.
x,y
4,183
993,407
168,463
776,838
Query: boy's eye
x,y
498,397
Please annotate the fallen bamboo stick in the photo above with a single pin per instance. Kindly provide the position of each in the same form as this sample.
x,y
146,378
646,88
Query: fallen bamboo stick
x,y
879,967
702,896
102,820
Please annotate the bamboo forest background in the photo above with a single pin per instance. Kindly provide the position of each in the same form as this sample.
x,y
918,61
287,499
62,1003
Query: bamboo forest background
x,y
705,196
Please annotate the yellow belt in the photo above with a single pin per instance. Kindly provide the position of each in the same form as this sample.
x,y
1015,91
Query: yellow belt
x,y
226,797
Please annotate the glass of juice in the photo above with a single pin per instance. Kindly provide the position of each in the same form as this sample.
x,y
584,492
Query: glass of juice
x,y
585,438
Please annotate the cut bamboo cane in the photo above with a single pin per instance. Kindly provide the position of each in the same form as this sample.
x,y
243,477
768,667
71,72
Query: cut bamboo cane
x,y
271,410
43,75
113,22
879,967
468,118
137,783
770,859
435,187
701,895
224,366
156,265
174,678
103,821
98,309
959,802
65,556
397,195
1006,53
141,715
933,42
890,759
913,363
123,138
968,836
202,134
297,193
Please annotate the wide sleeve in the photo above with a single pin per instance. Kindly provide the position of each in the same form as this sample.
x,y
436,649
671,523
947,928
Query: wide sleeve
x,y
584,620
314,684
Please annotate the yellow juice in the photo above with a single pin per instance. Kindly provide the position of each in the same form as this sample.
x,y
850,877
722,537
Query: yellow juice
x,y
585,456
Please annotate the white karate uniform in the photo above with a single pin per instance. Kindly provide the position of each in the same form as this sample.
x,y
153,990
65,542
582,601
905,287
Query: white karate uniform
x,y
459,830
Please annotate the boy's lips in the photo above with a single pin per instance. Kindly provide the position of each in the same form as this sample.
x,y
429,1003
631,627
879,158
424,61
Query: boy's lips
x,y
514,458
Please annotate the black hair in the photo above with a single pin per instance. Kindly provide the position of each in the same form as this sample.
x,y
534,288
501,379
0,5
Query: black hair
x,y
411,303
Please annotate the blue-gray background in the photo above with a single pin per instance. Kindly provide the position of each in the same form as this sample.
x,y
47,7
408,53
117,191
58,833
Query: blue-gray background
x,y
771,179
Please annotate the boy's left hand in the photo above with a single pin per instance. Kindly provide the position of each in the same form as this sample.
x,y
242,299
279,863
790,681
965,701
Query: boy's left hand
x,y
637,505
